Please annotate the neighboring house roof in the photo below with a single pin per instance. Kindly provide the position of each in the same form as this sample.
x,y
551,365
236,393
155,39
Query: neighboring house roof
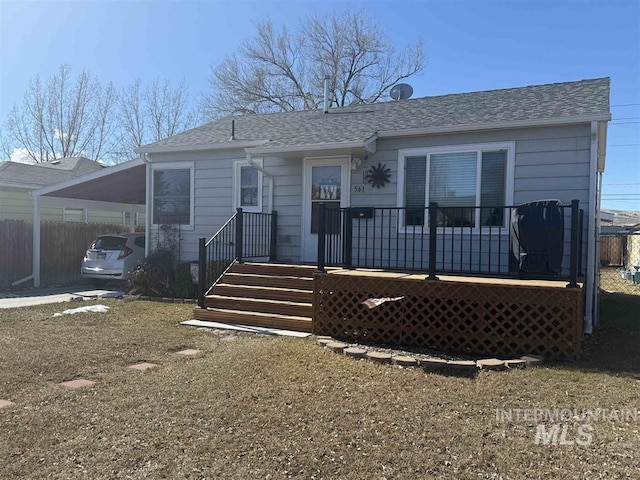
x,y
534,105
45,174
622,221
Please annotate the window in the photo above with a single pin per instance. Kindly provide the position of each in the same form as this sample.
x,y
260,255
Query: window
x,y
248,186
172,195
460,178
75,215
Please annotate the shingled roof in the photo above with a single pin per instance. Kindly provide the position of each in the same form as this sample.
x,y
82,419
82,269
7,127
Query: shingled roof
x,y
45,174
585,99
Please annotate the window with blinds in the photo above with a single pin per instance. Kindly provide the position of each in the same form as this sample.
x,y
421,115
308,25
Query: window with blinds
x,y
451,180
415,190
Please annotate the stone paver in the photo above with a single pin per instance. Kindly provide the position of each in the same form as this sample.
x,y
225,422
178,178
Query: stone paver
x,y
337,347
355,352
491,364
5,404
323,342
433,364
462,367
404,361
190,352
142,366
78,383
379,357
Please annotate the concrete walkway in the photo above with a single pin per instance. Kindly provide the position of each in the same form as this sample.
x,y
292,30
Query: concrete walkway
x,y
41,296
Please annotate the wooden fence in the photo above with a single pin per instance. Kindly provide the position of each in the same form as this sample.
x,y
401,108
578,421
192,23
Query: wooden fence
x,y
62,247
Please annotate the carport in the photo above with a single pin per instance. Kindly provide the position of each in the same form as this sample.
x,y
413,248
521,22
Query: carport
x,y
122,187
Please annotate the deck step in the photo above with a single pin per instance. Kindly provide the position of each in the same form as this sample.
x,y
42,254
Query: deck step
x,y
264,292
278,281
274,269
278,307
288,322
263,295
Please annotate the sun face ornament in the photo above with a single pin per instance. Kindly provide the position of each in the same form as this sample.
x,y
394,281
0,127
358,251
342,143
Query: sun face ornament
x,y
378,176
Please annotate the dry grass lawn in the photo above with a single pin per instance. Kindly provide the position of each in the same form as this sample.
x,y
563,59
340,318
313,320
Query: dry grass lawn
x,y
254,407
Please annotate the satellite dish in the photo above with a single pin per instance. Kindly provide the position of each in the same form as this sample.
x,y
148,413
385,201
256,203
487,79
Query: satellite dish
x,y
401,91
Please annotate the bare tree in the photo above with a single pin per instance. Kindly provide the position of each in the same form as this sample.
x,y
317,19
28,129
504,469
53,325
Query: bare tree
x,y
153,113
63,117
283,71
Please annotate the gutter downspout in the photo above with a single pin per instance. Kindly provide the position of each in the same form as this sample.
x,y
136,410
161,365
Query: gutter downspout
x,y
592,232
36,241
602,152
147,203
269,175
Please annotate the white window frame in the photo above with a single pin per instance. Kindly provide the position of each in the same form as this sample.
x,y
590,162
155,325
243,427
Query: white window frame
x,y
510,148
175,166
65,213
237,165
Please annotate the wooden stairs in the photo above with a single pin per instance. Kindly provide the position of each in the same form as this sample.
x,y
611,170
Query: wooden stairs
x,y
262,295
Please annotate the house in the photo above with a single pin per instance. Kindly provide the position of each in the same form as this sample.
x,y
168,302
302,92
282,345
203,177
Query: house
x,y
392,191
18,180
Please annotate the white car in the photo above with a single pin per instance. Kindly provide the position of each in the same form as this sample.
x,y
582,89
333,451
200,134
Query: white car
x,y
113,257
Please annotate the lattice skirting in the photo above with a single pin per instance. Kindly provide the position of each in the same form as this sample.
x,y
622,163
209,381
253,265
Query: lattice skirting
x,y
488,319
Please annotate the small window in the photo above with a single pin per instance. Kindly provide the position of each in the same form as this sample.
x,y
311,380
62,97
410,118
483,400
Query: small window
x,y
247,185
73,215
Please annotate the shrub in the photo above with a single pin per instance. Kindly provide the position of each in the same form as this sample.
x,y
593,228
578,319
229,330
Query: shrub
x,y
182,286
153,276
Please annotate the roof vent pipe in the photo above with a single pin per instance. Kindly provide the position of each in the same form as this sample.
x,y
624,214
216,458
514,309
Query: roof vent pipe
x,y
326,93
233,130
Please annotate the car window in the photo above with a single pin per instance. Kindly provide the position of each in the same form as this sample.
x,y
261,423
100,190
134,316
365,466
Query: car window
x,y
110,243
139,242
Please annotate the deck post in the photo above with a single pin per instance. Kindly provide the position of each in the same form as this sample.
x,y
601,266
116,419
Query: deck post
x,y
347,239
239,234
433,232
202,270
321,236
274,236
573,254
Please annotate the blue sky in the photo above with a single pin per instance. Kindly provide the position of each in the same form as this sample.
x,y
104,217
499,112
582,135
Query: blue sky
x,y
471,45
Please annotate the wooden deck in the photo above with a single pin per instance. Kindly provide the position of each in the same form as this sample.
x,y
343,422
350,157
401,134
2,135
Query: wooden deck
x,y
493,316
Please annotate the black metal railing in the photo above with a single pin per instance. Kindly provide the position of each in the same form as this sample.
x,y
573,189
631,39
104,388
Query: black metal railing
x,y
246,235
478,240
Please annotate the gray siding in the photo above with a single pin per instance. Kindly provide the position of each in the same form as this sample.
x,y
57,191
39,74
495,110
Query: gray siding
x,y
550,162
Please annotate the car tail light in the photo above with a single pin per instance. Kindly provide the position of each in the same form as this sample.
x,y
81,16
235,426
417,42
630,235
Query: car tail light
x,y
124,252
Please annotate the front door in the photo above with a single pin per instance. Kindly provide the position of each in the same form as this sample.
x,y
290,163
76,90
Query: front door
x,y
326,181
